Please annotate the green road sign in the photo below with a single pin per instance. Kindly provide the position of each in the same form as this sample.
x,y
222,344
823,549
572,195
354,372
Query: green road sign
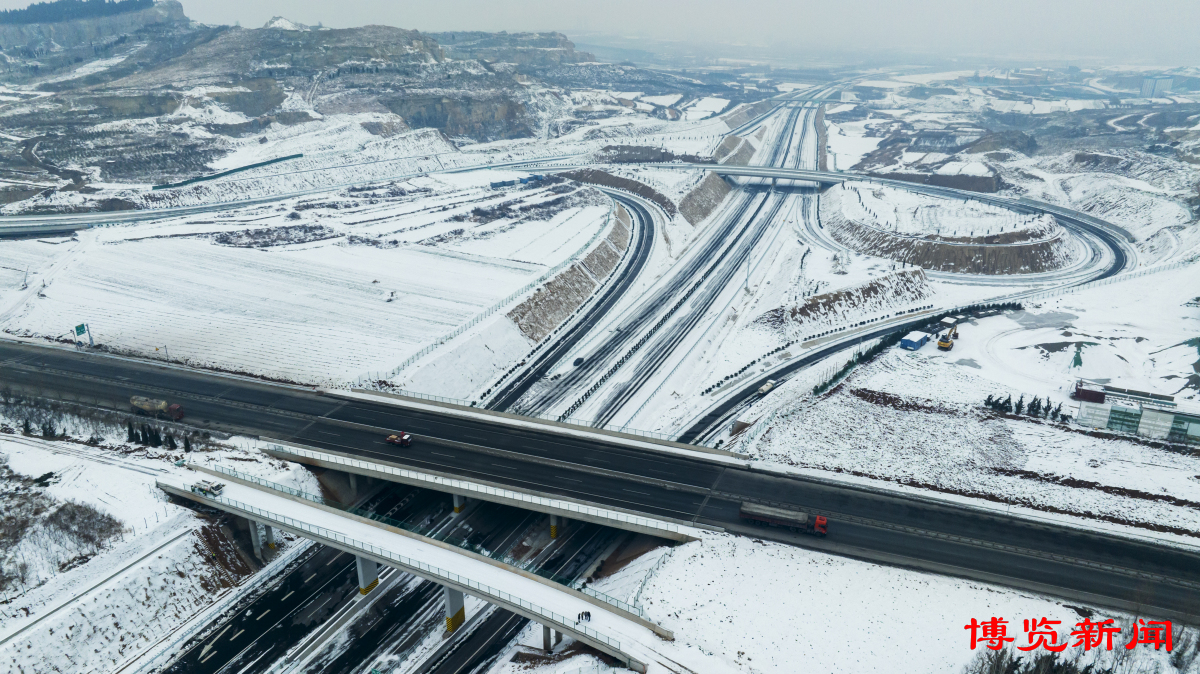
x,y
80,329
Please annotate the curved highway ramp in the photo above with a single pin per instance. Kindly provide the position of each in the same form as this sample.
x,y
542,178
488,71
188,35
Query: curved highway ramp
x,y
611,629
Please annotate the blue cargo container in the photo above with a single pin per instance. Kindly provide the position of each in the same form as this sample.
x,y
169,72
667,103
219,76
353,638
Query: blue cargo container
x,y
914,340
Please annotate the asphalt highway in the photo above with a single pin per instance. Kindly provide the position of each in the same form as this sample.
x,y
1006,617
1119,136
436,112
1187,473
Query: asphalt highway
x,y
922,533
642,240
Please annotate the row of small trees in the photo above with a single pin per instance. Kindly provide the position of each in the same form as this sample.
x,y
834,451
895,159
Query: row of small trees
x,y
152,437
1036,408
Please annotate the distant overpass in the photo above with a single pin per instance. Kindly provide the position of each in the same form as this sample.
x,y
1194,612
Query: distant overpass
x,y
612,629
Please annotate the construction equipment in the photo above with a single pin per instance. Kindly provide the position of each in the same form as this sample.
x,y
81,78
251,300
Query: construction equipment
x,y
156,408
946,341
795,520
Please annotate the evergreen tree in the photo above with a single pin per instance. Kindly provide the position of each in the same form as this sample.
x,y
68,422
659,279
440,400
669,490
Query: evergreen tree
x,y
48,430
26,427
169,442
1008,406
187,444
1057,412
1035,407
988,402
1020,407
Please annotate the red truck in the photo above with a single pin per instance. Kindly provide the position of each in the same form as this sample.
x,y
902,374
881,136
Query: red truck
x,y
795,520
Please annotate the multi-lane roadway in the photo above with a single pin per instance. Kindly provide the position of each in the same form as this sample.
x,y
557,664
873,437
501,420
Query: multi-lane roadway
x,y
684,486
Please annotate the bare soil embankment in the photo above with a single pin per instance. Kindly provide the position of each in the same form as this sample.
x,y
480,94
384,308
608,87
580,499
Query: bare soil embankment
x,y
597,177
704,198
894,290
554,302
964,256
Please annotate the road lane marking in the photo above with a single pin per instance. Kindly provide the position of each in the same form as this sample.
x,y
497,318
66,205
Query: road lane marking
x,y
571,479
636,492
207,657
288,595
312,576
262,615
340,554
239,633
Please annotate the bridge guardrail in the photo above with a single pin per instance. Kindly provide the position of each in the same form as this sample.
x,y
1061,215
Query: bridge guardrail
x,y
457,542
572,421
431,572
464,485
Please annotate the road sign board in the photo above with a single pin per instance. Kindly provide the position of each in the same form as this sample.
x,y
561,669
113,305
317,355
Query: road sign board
x,y
80,329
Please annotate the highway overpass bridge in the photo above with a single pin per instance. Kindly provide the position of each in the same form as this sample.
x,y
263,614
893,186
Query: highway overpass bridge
x,y
645,477
613,628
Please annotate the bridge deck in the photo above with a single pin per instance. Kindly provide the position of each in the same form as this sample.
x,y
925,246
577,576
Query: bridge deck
x,y
538,599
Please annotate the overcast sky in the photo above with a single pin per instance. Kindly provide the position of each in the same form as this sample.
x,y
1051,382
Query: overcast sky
x,y
1141,31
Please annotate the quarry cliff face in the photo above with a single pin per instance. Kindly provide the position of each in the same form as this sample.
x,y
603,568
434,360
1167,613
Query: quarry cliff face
x,y
491,115
68,34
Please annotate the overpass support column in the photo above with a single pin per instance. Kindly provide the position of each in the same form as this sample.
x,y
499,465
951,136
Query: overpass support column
x,y
255,538
547,645
270,536
555,523
368,574
459,502
353,484
456,613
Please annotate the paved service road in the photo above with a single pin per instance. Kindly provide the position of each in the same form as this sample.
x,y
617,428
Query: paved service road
x,y
1113,571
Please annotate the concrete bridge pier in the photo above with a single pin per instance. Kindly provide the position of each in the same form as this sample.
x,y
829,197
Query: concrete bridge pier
x,y
368,574
459,502
555,523
549,643
255,538
456,612
270,536
353,484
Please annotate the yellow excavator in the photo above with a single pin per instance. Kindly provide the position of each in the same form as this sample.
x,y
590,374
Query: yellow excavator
x,y
946,341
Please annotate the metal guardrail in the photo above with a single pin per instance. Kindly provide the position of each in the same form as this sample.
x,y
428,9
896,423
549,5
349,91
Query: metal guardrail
x,y
463,485
497,306
429,571
459,543
582,423
1107,281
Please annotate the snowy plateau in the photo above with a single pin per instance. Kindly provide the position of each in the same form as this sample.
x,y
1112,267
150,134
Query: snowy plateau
x,y
498,223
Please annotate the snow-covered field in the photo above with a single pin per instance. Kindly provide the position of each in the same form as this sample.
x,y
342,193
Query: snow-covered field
x,y
915,420
738,604
318,290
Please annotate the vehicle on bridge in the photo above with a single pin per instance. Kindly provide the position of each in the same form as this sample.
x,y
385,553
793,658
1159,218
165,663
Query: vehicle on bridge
x,y
208,487
817,525
766,388
401,439
156,408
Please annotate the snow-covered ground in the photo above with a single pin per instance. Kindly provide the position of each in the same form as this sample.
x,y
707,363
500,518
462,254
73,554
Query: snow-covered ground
x,y
738,604
914,420
317,290
104,607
